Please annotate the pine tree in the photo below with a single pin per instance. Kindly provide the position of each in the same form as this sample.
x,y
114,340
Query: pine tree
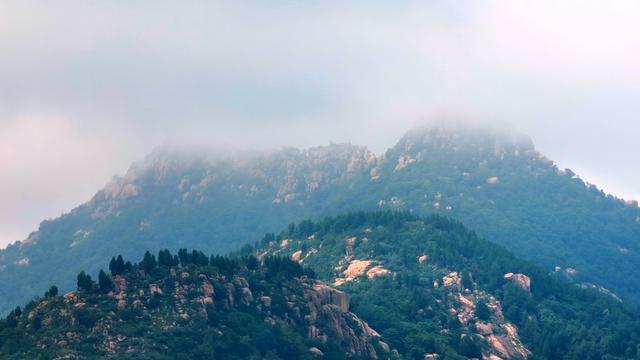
x,y
120,265
466,280
183,255
148,262
117,266
53,291
112,266
104,282
85,282
165,258
482,310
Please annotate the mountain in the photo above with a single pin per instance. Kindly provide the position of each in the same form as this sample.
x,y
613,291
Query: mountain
x,y
408,287
495,183
192,307
431,287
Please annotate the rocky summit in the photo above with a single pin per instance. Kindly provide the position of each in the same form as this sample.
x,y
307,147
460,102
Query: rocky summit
x,y
192,308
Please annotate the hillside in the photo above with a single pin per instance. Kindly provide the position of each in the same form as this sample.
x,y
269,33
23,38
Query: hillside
x,y
427,284
407,288
192,307
496,184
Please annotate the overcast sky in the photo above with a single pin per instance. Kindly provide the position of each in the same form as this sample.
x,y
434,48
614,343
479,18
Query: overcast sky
x,y
88,87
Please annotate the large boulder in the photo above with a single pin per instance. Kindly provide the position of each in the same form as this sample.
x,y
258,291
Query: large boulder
x,y
521,280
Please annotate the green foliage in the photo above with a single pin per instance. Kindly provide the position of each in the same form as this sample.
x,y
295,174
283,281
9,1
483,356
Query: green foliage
x,y
85,283
482,310
105,284
117,266
53,291
556,320
535,210
148,263
153,327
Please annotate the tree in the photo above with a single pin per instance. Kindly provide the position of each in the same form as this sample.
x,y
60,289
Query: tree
x,y
165,259
466,281
183,255
482,310
104,282
148,262
117,266
85,282
469,348
53,291
112,266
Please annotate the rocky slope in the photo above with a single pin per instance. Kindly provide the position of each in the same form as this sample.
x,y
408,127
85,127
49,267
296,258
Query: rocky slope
x,y
433,277
497,184
224,309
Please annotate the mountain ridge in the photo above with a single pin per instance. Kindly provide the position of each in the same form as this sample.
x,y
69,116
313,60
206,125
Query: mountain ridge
x,y
499,185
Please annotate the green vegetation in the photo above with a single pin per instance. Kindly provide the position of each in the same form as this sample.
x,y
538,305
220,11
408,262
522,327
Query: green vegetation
x,y
437,288
499,186
189,306
556,319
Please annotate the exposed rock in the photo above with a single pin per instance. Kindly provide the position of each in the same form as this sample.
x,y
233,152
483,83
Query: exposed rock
x,y
377,270
266,300
324,295
484,328
384,346
247,296
601,289
403,162
207,289
122,304
296,255
508,347
452,280
374,174
330,306
154,289
22,262
316,352
519,279
493,180
356,268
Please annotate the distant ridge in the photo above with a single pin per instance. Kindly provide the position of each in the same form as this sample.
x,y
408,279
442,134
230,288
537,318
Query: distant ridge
x,y
496,183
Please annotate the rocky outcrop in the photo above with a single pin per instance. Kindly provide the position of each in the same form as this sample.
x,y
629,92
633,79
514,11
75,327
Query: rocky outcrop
x,y
452,280
359,268
331,307
321,294
521,280
502,336
187,296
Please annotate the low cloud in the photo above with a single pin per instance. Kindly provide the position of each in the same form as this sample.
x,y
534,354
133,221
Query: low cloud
x,y
114,79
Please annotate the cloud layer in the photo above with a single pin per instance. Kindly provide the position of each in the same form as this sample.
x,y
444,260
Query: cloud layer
x,y
86,87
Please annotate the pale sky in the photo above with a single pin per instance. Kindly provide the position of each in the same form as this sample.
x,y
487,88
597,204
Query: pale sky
x,y
87,87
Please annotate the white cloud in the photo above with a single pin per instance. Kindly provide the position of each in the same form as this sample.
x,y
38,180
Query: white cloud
x,y
126,75
49,165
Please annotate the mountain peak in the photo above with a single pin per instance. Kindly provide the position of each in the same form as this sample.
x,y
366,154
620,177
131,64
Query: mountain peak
x,y
459,136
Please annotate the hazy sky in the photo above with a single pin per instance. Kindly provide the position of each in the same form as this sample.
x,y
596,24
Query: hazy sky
x,y
88,87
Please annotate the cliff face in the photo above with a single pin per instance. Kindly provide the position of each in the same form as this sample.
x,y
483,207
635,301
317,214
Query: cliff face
x,y
150,314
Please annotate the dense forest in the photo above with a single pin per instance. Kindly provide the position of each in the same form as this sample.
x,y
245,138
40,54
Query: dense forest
x,y
411,306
